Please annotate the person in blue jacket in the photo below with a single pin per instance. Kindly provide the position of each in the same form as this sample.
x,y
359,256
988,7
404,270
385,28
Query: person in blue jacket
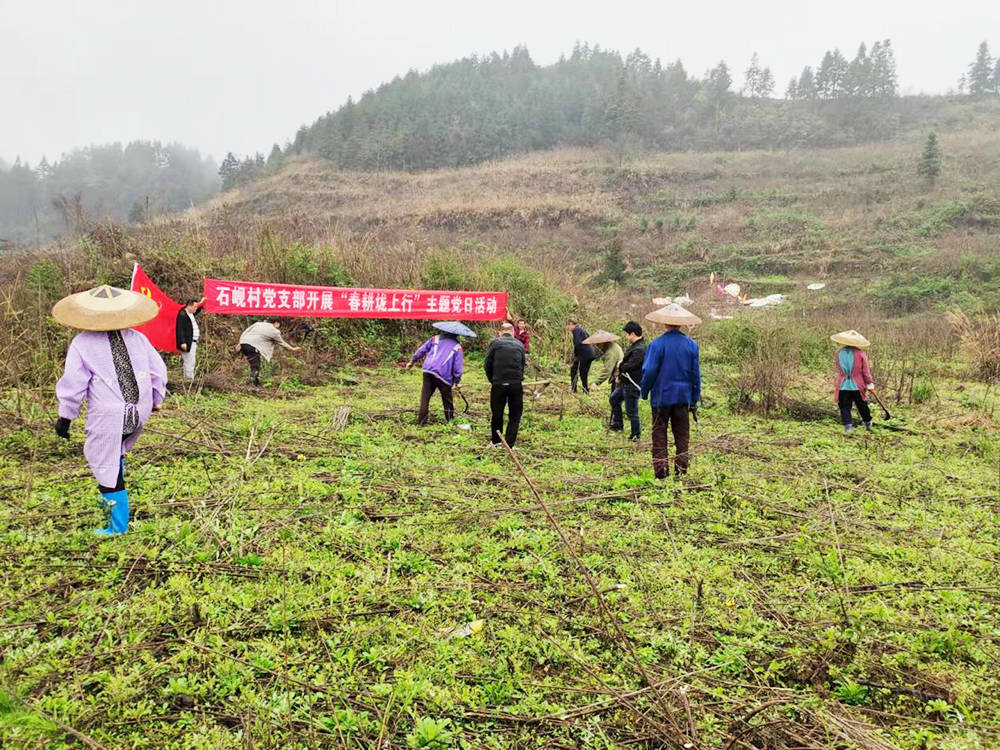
x,y
671,380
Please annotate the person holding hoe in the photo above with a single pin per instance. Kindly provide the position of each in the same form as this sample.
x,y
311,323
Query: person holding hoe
x,y
504,365
120,376
854,378
258,341
443,366
671,379
610,357
629,377
583,356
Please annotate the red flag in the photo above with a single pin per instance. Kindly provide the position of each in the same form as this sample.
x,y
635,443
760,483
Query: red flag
x,y
161,330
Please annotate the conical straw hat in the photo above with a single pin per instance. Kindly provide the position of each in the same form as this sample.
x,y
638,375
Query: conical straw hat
x,y
674,315
851,338
105,308
600,337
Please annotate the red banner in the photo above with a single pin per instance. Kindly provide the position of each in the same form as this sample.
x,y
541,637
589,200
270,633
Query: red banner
x,y
257,298
161,330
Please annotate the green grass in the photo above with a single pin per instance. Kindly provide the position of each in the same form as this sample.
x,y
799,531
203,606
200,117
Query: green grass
x,y
285,584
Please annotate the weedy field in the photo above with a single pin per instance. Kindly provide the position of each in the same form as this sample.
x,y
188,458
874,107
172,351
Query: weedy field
x,y
309,568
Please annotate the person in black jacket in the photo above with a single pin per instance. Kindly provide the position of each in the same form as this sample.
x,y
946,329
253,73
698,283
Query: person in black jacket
x,y
583,355
504,365
629,378
187,333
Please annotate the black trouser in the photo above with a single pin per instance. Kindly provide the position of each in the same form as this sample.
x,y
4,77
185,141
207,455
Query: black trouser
x,y
119,485
510,395
846,400
431,384
677,416
581,367
629,395
253,359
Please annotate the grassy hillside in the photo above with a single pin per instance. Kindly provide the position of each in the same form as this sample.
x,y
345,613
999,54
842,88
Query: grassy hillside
x,y
289,582
303,559
858,217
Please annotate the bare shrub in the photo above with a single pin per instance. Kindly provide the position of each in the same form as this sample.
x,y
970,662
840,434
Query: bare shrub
x,y
980,339
768,365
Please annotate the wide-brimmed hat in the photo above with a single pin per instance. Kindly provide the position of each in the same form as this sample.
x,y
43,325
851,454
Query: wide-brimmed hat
x,y
455,328
105,308
600,337
851,338
673,315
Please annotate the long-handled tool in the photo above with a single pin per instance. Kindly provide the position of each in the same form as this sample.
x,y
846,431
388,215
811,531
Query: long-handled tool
x,y
885,412
458,390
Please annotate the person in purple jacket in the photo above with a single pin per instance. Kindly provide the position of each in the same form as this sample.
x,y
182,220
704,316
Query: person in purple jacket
x,y
120,376
443,366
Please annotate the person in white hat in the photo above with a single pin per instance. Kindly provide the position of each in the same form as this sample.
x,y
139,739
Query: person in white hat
x,y
671,379
120,376
854,378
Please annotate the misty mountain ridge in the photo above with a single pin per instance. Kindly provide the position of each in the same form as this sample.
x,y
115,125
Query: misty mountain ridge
x,y
488,107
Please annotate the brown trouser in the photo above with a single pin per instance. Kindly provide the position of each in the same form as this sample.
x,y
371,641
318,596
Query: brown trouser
x,y
678,418
432,384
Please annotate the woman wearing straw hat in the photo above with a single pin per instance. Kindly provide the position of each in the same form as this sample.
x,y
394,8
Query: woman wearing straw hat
x,y
122,378
443,367
671,379
611,355
854,378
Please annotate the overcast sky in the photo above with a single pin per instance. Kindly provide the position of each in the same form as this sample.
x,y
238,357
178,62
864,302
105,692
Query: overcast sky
x,y
239,75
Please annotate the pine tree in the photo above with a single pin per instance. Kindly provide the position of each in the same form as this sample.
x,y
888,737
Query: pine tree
x,y
929,165
858,81
806,88
719,82
981,72
275,158
831,74
229,171
751,77
792,90
883,71
765,84
996,78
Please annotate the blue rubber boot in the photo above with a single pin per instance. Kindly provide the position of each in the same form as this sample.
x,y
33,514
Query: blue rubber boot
x,y
117,504
107,503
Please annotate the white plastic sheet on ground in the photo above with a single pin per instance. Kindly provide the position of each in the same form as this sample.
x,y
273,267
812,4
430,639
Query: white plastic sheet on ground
x,y
815,287
683,300
768,301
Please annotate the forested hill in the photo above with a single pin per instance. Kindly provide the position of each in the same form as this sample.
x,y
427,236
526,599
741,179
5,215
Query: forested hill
x,y
481,108
122,183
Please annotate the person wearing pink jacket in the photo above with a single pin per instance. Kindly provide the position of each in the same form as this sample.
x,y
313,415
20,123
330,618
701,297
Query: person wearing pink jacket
x,y
854,378
121,377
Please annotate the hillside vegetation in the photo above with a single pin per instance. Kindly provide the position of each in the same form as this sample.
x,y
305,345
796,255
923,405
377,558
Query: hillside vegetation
x,y
858,217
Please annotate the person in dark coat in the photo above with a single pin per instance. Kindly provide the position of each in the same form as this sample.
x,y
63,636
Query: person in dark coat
x,y
188,333
629,378
583,356
504,366
671,379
